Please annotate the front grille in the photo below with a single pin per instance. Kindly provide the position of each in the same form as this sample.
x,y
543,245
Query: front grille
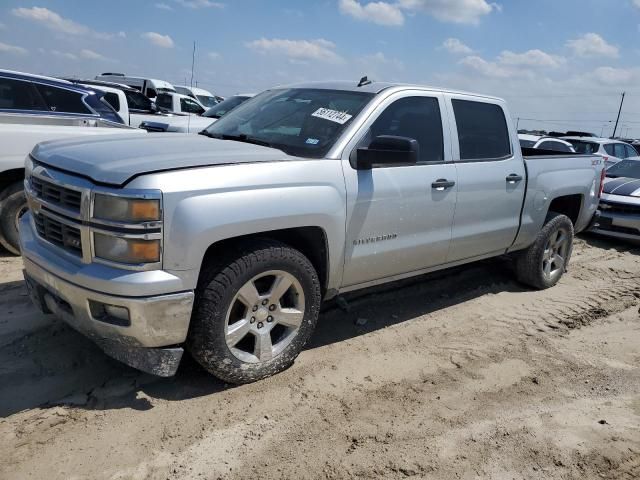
x,y
56,194
624,208
58,233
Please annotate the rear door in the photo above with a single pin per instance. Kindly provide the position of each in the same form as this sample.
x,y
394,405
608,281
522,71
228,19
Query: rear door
x,y
398,217
491,178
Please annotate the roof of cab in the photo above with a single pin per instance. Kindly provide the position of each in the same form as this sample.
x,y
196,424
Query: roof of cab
x,y
55,82
377,87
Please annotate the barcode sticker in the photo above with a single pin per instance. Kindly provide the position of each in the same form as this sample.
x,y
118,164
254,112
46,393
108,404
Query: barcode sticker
x,y
332,115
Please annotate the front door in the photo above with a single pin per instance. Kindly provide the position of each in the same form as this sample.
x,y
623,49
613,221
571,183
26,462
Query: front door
x,y
399,218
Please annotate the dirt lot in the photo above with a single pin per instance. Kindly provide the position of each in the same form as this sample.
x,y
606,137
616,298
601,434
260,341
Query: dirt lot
x,y
458,375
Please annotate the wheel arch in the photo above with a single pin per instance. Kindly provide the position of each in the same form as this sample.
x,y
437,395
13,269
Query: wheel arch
x,y
311,241
569,205
9,177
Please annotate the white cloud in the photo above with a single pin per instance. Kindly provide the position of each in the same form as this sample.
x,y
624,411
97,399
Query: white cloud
x,y
510,64
67,55
382,13
163,6
214,55
6,48
453,11
616,76
91,55
53,21
159,40
320,49
195,4
532,58
455,46
636,3
488,69
2,26
592,45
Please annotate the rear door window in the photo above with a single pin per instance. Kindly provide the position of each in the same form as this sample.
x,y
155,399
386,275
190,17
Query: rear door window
x,y
631,152
20,95
62,100
619,150
482,130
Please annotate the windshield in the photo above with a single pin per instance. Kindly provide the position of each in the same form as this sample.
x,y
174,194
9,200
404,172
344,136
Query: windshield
x,y
625,168
303,122
583,147
207,101
527,143
224,107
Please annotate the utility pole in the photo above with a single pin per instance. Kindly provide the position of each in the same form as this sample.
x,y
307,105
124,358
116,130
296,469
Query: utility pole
x,y
618,119
193,62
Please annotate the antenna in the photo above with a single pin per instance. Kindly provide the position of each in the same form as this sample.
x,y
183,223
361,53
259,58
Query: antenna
x,y
364,81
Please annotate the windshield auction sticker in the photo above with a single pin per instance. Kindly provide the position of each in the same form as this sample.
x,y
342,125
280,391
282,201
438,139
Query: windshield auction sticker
x,y
332,115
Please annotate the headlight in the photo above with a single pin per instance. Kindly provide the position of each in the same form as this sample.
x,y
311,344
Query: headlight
x,y
28,166
125,210
126,250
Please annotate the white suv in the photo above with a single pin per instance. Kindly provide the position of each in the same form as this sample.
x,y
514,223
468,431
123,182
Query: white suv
x,y
612,151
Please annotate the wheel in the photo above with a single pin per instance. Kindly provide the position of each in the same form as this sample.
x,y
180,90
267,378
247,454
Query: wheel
x,y
545,261
254,311
12,207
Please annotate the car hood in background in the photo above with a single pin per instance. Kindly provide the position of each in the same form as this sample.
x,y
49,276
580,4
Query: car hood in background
x,y
623,186
116,159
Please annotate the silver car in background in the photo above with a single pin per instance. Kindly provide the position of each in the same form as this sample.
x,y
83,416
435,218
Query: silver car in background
x,y
620,204
612,151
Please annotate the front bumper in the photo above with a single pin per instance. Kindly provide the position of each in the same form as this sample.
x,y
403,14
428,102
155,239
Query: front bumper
x,y
148,339
617,225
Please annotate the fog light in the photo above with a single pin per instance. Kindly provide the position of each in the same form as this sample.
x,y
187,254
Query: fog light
x,y
113,314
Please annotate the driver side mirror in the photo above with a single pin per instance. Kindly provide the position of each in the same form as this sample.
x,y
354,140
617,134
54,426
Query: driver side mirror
x,y
151,93
387,151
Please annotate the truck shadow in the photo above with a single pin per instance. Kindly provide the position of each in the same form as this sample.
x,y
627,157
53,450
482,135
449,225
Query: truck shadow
x,y
51,364
608,243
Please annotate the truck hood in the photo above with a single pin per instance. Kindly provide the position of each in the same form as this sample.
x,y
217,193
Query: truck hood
x,y
623,186
116,159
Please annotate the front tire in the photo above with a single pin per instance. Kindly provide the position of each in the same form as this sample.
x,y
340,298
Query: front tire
x,y
13,204
255,310
542,264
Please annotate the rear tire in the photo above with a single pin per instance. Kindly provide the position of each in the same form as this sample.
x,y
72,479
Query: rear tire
x,y
542,265
13,204
255,309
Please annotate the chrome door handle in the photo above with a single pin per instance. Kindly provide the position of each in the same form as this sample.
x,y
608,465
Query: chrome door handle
x,y
514,178
442,184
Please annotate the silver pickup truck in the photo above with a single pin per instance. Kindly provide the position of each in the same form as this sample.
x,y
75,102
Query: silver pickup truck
x,y
226,243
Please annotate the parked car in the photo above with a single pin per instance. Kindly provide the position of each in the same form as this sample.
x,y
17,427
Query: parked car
x,y
196,124
150,87
177,103
132,106
545,143
205,97
228,242
33,109
612,151
619,210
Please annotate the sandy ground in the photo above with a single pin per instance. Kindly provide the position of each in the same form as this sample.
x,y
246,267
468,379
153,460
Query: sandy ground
x,y
458,375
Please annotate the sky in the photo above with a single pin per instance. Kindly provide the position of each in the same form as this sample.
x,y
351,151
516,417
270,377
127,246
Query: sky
x,y
560,64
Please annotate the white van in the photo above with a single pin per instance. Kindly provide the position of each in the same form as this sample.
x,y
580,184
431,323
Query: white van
x,y
205,97
149,86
